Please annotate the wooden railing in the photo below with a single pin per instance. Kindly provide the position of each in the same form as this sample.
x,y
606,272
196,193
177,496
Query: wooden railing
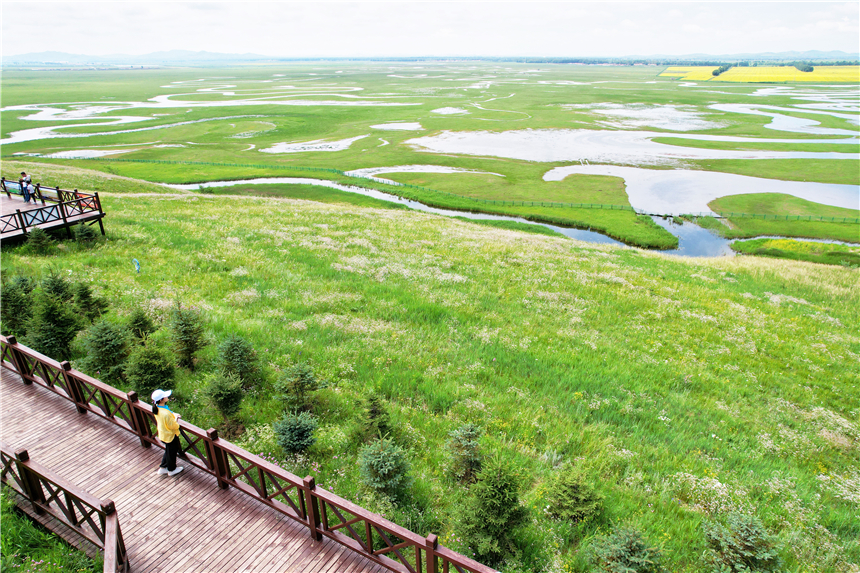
x,y
92,518
324,513
57,205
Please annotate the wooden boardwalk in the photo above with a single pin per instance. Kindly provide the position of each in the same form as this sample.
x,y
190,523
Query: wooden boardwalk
x,y
182,523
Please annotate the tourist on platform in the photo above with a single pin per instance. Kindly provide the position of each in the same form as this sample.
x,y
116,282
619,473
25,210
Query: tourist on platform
x,y
24,184
31,193
168,431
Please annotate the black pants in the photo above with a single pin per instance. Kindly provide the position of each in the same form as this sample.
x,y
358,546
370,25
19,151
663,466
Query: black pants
x,y
171,448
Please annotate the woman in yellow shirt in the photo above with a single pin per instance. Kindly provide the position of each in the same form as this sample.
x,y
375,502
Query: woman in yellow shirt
x,y
168,431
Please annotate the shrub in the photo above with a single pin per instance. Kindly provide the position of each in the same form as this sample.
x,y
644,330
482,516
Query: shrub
x,y
378,422
625,551
88,305
224,391
149,368
465,452
385,468
186,326
297,385
16,308
107,349
57,286
52,327
85,234
140,324
39,241
237,356
492,512
742,544
571,498
295,431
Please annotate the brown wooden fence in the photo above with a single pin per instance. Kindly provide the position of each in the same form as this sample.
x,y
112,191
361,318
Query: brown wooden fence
x,y
89,517
60,208
322,512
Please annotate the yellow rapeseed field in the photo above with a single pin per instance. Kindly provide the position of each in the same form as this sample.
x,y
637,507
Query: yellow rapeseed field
x,y
791,74
695,73
761,74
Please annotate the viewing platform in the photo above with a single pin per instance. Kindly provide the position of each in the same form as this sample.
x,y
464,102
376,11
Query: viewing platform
x,y
49,208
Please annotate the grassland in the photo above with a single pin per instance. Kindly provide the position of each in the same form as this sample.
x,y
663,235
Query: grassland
x,y
685,388
27,547
773,204
819,170
813,252
491,97
766,74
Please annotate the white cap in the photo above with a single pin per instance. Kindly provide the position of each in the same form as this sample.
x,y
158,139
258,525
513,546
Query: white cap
x,y
160,395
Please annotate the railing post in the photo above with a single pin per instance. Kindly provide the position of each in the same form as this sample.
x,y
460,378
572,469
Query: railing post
x,y
313,508
21,221
3,186
217,457
99,205
30,481
16,358
74,388
430,545
39,193
138,421
62,207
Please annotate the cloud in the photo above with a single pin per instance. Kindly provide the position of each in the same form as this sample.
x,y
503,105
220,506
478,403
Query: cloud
x,y
360,29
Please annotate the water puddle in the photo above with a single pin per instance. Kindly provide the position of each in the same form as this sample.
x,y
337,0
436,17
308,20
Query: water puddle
x,y
630,147
638,115
450,111
694,241
678,192
315,145
371,172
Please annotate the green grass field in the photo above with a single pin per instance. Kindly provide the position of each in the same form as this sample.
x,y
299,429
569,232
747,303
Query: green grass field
x,y
781,205
825,253
492,97
684,388
25,546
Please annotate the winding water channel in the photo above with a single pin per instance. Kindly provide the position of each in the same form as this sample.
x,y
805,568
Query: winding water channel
x,y
694,241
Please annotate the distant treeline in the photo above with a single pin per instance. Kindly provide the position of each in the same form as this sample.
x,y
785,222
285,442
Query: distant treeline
x,y
590,61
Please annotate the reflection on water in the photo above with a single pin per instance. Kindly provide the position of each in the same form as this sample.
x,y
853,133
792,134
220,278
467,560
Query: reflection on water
x,y
694,241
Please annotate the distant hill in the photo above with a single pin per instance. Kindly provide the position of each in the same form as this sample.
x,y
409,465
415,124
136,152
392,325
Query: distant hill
x,y
179,57
155,58
810,55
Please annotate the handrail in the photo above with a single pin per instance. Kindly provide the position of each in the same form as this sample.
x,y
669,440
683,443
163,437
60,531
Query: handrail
x,y
62,195
324,513
92,518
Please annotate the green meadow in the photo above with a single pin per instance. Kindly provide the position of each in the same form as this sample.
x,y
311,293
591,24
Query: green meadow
x,y
232,114
686,390
812,251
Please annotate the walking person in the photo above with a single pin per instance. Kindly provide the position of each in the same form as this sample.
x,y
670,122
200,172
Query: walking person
x,y
168,431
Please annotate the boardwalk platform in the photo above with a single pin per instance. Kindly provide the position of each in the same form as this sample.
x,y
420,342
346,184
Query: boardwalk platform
x,y
182,523
52,208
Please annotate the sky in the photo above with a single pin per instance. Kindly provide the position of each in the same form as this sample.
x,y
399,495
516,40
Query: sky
x,y
373,29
